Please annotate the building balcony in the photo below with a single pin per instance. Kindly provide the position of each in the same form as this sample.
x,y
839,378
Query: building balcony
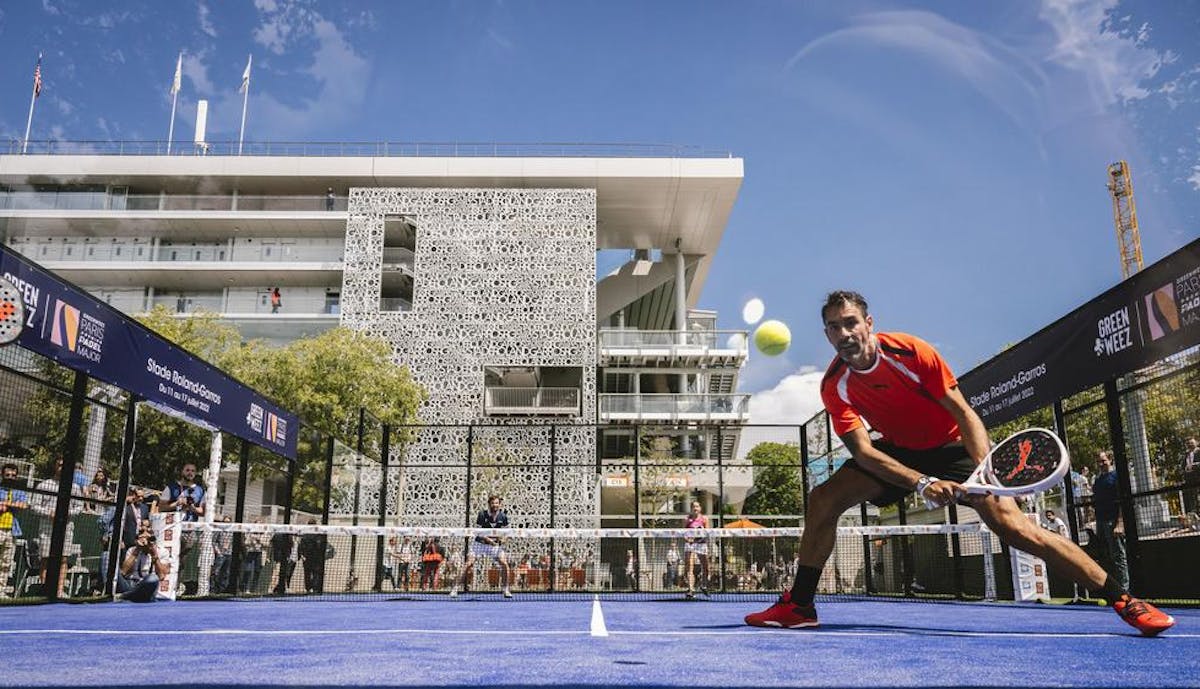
x,y
733,409
192,275
98,200
619,346
545,401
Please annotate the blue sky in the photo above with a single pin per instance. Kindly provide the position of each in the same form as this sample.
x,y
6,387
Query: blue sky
x,y
947,159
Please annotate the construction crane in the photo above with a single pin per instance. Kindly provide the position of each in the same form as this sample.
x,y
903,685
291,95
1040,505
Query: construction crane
x,y
1120,186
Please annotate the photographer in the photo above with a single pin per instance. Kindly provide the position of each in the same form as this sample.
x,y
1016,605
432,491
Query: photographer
x,y
141,568
185,496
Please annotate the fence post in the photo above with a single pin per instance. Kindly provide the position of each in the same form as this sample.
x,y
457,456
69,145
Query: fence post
x,y
553,463
906,564
868,574
956,553
115,551
239,516
66,482
721,502
329,447
1116,436
1069,497
383,495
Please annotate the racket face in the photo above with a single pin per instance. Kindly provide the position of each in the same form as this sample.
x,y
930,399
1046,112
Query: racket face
x,y
12,312
1026,458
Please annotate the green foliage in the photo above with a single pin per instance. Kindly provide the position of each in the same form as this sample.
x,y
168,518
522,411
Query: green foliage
x,y
777,486
325,380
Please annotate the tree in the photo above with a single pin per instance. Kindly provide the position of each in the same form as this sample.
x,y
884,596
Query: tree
x,y
324,380
777,486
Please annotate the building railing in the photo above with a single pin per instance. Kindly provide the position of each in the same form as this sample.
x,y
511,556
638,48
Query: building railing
x,y
385,149
392,304
398,257
673,405
620,338
547,400
72,200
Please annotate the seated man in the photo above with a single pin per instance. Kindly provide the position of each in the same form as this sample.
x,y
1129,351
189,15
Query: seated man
x,y
141,569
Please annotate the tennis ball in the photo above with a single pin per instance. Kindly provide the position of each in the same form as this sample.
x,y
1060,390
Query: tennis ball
x,y
772,338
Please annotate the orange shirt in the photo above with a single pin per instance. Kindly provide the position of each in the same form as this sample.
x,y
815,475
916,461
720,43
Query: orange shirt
x,y
898,396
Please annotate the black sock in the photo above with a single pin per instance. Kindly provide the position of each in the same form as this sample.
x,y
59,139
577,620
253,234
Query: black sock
x,y
1111,591
804,589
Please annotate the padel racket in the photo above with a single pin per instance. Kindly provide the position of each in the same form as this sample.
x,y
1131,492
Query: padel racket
x,y
12,312
1027,461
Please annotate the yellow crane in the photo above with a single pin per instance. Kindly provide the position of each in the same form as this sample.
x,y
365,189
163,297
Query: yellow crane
x,y
1129,240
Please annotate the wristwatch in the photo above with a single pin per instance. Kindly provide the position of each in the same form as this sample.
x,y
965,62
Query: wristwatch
x,y
925,482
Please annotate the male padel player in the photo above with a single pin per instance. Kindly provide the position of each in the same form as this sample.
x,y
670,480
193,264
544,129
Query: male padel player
x,y
931,440
487,546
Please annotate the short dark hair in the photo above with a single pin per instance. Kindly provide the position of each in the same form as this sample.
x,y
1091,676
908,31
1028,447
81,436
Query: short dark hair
x,y
839,297
492,497
10,465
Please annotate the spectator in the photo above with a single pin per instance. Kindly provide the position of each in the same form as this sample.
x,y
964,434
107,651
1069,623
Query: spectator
x,y
672,566
330,199
1191,475
1055,523
399,561
312,550
1109,524
431,560
141,569
133,514
276,300
222,545
47,491
252,561
283,553
98,493
12,498
631,573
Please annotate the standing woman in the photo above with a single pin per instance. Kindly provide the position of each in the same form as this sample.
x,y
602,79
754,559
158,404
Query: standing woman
x,y
696,548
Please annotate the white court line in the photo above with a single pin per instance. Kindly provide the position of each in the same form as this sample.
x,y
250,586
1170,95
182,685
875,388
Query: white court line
x,y
568,632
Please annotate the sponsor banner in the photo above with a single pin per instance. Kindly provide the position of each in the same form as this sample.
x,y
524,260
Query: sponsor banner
x,y
1152,315
66,324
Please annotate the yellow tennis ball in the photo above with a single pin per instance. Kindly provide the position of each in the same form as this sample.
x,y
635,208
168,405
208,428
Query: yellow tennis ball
x,y
772,338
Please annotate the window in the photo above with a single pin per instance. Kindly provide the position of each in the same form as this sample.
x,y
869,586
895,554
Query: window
x,y
397,271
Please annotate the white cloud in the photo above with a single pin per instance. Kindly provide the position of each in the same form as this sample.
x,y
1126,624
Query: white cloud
x,y
1194,180
195,70
1113,63
206,24
284,23
50,9
792,401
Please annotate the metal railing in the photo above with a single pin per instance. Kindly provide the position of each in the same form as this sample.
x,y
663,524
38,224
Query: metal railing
x,y
398,257
449,149
70,200
672,405
728,340
387,304
509,400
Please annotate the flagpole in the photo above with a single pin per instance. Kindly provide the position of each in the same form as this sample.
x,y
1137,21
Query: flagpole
x,y
174,101
245,100
32,99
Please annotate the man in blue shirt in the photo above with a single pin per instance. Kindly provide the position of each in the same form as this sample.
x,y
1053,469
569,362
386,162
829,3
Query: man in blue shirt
x,y
1109,525
488,546
11,498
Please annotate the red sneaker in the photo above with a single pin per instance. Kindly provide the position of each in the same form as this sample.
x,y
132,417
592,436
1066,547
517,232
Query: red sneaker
x,y
784,614
1146,618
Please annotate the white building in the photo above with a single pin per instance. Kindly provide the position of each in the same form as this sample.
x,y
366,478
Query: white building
x,y
477,264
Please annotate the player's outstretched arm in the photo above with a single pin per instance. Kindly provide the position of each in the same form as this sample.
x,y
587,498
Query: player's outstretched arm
x,y
974,433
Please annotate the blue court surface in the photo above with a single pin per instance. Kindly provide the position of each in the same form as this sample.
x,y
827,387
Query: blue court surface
x,y
491,642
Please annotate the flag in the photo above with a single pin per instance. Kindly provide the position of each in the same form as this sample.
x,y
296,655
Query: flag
x,y
37,77
178,82
246,75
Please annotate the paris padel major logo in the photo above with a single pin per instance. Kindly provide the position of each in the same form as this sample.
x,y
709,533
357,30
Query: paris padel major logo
x,y
268,424
76,331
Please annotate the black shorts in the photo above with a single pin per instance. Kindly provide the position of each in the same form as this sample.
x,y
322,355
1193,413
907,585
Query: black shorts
x,y
948,461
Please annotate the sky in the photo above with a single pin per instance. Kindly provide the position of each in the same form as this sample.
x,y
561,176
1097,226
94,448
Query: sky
x,y
946,159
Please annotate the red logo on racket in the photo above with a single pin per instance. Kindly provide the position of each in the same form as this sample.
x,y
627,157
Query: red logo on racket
x,y
7,310
1026,449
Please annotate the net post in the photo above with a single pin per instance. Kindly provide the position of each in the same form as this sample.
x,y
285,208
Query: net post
x,y
868,575
906,568
956,553
989,565
721,550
